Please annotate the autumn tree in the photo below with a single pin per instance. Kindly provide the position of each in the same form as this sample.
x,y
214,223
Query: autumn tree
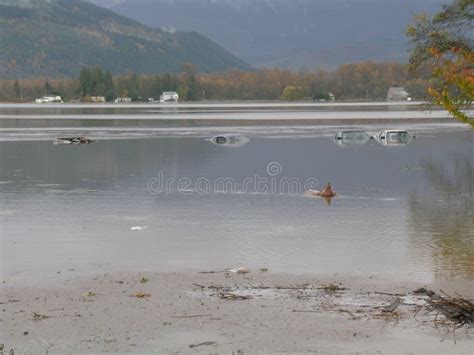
x,y
444,44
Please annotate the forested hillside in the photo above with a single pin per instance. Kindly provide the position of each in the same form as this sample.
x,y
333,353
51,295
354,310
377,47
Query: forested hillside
x,y
57,38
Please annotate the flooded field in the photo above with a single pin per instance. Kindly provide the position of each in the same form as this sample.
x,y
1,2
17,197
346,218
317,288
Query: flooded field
x,y
155,193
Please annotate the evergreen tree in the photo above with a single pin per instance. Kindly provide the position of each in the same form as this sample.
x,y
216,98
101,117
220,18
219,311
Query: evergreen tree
x,y
17,89
48,88
97,87
192,92
85,84
109,86
157,86
133,87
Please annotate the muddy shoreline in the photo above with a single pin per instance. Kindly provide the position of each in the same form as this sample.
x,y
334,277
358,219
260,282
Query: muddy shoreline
x,y
256,312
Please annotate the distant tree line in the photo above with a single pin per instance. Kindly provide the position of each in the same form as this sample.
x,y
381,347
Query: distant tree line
x,y
358,81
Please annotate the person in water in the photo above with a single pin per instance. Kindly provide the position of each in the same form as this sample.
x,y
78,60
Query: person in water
x,y
327,192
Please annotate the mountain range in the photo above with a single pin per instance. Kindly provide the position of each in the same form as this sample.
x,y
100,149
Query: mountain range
x,y
289,33
56,38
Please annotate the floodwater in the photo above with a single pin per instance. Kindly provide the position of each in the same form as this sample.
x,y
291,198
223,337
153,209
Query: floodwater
x,y
156,194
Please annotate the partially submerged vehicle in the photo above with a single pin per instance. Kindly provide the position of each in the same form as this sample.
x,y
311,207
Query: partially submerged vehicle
x,y
351,137
73,140
394,137
230,140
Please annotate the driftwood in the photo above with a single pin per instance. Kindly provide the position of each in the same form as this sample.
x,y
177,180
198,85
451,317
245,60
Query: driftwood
x,y
206,343
192,316
393,306
456,310
330,287
38,316
226,295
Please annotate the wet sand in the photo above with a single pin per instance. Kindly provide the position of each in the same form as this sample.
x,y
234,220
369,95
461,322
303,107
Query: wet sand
x,y
204,313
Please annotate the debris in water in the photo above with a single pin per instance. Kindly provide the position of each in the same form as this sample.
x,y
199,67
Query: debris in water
x,y
240,270
330,287
230,140
393,306
89,294
456,310
73,140
144,280
226,295
206,343
38,316
142,295
213,272
138,228
193,316
263,270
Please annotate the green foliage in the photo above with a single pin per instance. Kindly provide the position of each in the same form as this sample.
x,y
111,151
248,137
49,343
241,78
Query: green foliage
x,y
444,45
183,93
292,93
95,82
48,89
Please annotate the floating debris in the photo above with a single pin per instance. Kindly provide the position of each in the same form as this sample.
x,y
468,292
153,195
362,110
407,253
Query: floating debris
x,y
206,343
456,310
240,270
227,295
73,140
393,306
38,316
330,287
142,295
144,280
138,228
89,294
230,140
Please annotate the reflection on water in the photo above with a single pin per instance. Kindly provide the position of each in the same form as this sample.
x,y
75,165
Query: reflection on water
x,y
403,213
443,221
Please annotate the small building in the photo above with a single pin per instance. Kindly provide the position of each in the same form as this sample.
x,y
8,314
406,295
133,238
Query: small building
x,y
169,96
97,98
123,99
398,94
49,99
